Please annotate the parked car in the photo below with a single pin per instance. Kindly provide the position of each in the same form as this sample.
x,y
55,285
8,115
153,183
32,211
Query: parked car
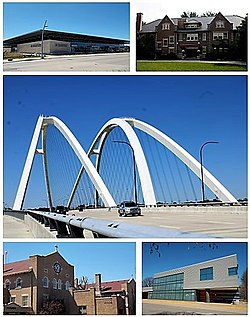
x,y
128,208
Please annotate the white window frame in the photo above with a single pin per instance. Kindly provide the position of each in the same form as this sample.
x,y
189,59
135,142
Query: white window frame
x,y
54,283
27,300
163,40
171,50
220,36
220,24
165,26
59,284
204,36
45,285
7,282
171,39
192,37
204,50
19,281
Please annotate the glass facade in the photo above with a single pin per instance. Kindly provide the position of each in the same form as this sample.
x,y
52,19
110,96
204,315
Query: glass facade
x,y
171,287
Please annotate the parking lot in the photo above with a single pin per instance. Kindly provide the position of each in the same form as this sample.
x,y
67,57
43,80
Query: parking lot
x,y
95,62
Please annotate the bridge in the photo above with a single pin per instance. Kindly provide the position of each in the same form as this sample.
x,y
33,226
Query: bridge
x,y
127,160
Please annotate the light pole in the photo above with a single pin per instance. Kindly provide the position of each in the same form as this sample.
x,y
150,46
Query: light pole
x,y
44,26
202,176
135,190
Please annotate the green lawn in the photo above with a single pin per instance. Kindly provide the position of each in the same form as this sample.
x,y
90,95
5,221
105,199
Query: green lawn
x,y
186,66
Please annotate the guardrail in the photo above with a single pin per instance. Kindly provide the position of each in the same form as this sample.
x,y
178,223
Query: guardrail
x,y
78,227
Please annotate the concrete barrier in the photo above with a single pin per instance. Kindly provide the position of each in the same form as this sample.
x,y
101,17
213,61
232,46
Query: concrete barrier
x,y
38,230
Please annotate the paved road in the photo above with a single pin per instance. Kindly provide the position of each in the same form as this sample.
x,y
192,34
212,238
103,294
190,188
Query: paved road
x,y
15,228
96,62
219,224
161,307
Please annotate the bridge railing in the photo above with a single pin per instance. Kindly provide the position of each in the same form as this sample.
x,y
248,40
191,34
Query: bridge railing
x,y
67,226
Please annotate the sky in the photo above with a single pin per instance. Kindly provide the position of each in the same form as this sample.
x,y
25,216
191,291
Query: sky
x,y
175,255
157,9
189,109
88,258
100,19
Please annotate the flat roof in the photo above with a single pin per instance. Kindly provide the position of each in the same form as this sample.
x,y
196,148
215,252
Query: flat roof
x,y
61,36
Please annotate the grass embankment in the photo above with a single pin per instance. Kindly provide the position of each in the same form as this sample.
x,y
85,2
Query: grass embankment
x,y
186,66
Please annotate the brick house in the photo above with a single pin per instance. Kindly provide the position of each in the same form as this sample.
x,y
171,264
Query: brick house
x,y
197,37
31,283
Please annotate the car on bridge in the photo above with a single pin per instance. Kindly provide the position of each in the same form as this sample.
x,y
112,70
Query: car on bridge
x,y
128,208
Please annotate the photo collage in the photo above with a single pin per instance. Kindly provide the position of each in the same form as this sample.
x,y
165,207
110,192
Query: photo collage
x,y
142,107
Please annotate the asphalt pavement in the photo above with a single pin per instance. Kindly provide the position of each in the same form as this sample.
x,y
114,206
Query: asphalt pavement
x,y
94,62
168,307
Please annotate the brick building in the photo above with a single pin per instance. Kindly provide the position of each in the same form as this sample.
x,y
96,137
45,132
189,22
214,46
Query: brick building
x,y
31,283
197,37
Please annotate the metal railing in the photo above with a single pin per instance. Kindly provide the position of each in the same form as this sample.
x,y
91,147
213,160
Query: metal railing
x,y
79,227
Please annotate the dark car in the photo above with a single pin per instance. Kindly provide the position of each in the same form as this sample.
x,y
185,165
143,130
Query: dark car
x,y
128,208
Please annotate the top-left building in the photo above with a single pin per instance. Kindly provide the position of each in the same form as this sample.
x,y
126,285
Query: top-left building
x,y
57,43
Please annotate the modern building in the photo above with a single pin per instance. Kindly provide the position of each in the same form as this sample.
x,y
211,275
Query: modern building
x,y
32,283
211,281
198,37
55,42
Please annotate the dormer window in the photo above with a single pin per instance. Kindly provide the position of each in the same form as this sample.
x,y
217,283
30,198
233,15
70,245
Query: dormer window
x,y
19,282
165,26
219,24
7,284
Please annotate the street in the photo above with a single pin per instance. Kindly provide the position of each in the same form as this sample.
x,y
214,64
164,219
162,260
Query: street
x,y
94,62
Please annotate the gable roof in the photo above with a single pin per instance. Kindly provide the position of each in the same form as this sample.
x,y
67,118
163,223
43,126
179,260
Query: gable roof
x,y
17,267
235,19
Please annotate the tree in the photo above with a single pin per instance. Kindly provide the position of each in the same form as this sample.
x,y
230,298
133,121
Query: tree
x,y
53,307
243,286
189,14
147,281
208,14
145,46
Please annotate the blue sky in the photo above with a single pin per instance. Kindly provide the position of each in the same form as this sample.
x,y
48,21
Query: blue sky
x,y
101,19
87,257
189,109
176,255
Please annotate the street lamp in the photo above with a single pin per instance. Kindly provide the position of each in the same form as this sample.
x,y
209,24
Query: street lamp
x,y
135,190
44,26
202,176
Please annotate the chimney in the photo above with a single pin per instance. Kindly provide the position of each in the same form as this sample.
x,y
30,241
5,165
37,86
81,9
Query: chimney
x,y
98,282
139,22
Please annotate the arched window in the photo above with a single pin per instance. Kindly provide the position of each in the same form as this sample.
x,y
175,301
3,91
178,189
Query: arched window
x,y
7,284
19,282
59,284
67,285
54,283
45,282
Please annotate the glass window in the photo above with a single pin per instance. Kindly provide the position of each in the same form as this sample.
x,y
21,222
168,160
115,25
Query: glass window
x,y
165,26
67,285
59,284
19,282
54,283
45,282
25,300
12,299
7,284
219,24
232,271
165,42
171,39
206,274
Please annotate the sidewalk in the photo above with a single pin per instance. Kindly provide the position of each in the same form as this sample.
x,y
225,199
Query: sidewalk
x,y
15,228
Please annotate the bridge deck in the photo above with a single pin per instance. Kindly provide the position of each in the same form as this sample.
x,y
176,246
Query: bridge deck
x,y
15,228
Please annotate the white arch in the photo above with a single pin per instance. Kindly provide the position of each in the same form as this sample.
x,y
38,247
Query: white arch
x,y
216,187
143,171
90,169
